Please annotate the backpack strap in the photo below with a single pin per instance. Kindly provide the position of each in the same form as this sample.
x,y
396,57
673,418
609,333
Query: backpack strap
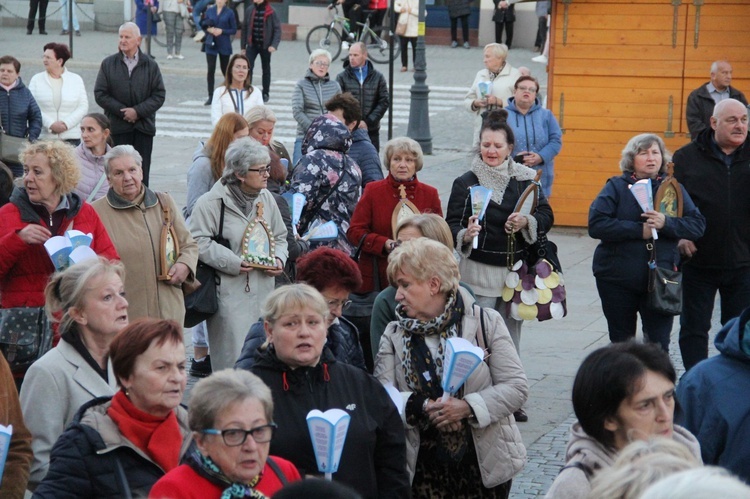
x,y
277,469
581,466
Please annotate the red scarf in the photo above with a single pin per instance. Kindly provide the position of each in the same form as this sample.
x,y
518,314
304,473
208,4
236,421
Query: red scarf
x,y
159,438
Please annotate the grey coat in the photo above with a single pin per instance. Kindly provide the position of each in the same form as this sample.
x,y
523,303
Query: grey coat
x,y
309,98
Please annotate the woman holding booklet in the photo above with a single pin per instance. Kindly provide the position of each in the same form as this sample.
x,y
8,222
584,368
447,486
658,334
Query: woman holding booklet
x,y
462,446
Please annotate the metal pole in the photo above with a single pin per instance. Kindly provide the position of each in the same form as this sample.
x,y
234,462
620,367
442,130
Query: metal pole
x,y
149,20
70,26
391,23
419,111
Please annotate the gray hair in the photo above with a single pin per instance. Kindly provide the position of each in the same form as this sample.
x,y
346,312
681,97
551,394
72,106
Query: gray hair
x,y
630,480
320,53
715,65
424,259
708,482
641,143
120,152
241,155
290,298
403,144
68,289
259,113
213,395
498,50
131,26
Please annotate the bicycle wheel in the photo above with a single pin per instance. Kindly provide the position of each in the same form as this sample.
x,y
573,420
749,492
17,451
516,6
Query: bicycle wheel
x,y
378,41
324,37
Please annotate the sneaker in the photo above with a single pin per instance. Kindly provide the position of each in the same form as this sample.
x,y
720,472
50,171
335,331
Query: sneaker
x,y
169,56
466,45
65,32
540,58
200,368
78,33
454,44
345,45
179,56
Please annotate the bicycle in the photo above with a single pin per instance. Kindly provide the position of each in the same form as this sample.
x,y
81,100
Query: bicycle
x,y
377,40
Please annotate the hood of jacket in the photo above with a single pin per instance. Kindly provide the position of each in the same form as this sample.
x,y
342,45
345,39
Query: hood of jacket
x,y
327,132
359,134
729,340
309,75
20,198
295,379
201,152
512,106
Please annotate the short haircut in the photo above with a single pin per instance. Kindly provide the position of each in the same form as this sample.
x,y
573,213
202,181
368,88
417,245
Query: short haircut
x,y
424,259
497,121
60,49
292,298
630,480
361,46
719,108
320,53
497,49
707,482
637,449
215,394
715,65
122,151
430,225
220,138
641,143
348,104
68,289
256,114
9,59
610,375
130,26
403,145
62,160
326,267
522,79
241,155
229,78
133,340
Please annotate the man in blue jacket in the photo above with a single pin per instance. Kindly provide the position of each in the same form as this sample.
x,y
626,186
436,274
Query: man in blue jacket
x,y
713,400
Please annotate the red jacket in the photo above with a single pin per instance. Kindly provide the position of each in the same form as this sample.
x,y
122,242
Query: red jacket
x,y
184,483
25,269
378,4
372,216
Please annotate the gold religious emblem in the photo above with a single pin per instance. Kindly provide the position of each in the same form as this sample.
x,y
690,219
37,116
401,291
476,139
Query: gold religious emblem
x,y
669,195
258,244
404,209
169,245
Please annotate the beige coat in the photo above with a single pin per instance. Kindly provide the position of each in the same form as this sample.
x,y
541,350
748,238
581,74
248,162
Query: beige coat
x,y
136,233
502,88
496,389
411,16
238,307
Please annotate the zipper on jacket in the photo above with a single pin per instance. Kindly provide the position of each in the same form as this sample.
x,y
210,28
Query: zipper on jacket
x,y
308,380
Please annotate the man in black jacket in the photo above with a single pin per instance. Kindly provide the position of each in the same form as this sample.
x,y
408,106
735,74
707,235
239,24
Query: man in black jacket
x,y
701,101
715,170
130,89
368,86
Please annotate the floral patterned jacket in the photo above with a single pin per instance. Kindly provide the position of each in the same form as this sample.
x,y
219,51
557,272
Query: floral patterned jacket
x,y
317,173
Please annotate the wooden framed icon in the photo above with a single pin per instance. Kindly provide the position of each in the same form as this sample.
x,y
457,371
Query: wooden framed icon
x,y
404,209
669,195
258,244
169,245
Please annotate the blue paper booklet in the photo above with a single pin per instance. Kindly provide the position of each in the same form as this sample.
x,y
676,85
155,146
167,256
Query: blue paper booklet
x,y
461,358
5,433
69,249
328,434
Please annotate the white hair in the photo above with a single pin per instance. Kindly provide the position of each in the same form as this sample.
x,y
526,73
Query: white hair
x,y
708,482
131,26
320,53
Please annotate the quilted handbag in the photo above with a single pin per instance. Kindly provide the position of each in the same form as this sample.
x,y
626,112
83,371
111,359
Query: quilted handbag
x,y
25,335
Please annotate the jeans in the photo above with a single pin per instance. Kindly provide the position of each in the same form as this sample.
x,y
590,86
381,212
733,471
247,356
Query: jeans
x,y
211,62
200,336
508,33
621,306
175,26
64,13
142,143
541,33
33,5
297,154
699,288
514,326
252,51
464,28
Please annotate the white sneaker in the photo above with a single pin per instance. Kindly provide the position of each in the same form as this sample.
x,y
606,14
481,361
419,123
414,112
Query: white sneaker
x,y
540,58
179,56
199,36
169,56
345,45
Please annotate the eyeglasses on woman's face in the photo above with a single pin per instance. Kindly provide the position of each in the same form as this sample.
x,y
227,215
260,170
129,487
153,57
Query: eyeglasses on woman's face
x,y
321,64
234,437
261,171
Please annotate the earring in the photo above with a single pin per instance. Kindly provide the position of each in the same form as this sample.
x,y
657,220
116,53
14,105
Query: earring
x,y
127,392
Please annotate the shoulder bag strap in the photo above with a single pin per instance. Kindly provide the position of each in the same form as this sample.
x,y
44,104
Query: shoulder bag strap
x,y
221,220
96,188
277,469
581,466
166,212
314,211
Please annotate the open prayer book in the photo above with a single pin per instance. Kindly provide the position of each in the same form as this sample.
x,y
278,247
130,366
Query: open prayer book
x,y
328,434
461,359
69,249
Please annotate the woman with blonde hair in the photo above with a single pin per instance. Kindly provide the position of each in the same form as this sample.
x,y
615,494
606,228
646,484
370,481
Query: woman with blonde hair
x,y
237,94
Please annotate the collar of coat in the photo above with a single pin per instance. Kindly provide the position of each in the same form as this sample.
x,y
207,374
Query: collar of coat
x,y
20,198
119,203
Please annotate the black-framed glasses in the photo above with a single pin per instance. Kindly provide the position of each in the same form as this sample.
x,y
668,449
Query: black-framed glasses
x,y
260,171
234,437
338,303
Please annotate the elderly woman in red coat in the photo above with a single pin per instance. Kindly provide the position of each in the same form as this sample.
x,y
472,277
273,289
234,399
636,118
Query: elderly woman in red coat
x,y
372,222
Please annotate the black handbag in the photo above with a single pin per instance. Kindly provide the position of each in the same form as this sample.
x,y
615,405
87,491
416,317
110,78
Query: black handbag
x,y
10,147
25,335
202,302
664,288
362,303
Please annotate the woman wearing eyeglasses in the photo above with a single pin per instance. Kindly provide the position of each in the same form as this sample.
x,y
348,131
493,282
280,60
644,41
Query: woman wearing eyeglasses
x,y
239,194
335,275
303,374
231,416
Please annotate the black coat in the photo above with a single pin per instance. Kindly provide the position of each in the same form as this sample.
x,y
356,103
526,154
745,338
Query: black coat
x,y
92,459
271,28
372,94
20,113
373,461
700,108
142,90
721,194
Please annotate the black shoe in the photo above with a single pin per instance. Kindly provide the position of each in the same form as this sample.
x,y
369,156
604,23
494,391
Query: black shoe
x,y
65,32
266,98
42,32
200,369
78,33
521,416
208,102
29,32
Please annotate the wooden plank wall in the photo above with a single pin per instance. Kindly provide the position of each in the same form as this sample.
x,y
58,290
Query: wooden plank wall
x,y
623,67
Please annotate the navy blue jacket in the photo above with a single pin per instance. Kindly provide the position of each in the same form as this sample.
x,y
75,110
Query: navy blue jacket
x,y
227,23
366,156
713,400
20,113
343,341
615,218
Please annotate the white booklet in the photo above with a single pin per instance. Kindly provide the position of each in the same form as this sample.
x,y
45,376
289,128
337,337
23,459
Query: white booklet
x,y
328,434
461,359
322,231
5,433
60,248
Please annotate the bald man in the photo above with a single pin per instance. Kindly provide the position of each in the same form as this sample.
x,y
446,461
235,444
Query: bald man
x,y
701,102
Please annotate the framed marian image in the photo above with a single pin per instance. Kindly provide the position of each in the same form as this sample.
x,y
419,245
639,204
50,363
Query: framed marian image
x,y
404,209
169,250
669,198
258,244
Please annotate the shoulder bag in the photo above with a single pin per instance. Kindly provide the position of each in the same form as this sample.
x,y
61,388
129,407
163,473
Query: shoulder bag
x,y
361,303
664,287
201,299
10,147
25,335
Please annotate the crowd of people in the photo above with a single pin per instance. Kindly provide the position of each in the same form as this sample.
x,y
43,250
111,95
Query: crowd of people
x,y
100,413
